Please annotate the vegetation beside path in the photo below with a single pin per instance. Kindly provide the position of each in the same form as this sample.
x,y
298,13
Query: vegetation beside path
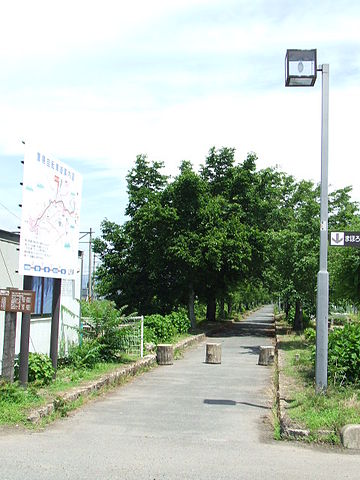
x,y
319,417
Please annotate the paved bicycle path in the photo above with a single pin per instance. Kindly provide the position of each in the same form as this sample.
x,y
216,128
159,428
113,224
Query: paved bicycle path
x,y
190,420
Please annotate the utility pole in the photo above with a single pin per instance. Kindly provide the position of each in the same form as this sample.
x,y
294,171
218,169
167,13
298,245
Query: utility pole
x,y
301,71
90,261
323,275
90,266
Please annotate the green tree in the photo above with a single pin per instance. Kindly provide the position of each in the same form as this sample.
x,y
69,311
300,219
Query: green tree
x,y
184,239
188,196
144,181
344,263
293,245
133,268
227,233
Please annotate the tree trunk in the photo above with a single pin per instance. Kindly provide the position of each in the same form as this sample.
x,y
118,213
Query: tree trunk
x,y
222,309
211,309
229,308
287,309
191,308
298,320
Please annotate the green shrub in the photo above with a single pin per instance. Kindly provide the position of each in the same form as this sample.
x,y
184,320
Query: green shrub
x,y
111,346
310,335
159,328
102,316
40,369
85,355
149,335
200,311
10,392
104,320
180,321
344,355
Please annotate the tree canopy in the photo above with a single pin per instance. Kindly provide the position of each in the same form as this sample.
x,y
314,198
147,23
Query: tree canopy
x,y
228,233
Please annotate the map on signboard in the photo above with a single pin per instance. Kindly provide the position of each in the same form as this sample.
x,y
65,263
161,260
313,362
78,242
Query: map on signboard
x,y
50,217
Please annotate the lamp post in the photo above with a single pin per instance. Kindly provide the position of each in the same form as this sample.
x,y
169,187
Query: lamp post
x,y
300,71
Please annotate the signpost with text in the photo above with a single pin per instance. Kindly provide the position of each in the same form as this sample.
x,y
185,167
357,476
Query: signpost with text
x,y
13,301
345,239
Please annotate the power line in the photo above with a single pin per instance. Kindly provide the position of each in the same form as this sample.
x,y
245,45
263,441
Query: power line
x,y
12,213
7,270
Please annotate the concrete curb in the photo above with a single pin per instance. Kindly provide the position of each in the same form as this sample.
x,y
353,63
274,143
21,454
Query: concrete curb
x,y
188,342
287,428
113,378
350,436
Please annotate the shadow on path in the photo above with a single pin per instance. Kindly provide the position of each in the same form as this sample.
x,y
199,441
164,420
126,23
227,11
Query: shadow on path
x,y
263,327
211,401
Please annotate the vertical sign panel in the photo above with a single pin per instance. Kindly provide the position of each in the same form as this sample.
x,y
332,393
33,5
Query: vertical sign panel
x,y
50,217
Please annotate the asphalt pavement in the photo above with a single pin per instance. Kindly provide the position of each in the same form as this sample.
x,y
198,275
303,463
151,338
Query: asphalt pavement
x,y
189,420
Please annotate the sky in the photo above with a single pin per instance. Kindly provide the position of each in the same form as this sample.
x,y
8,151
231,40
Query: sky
x,y
97,83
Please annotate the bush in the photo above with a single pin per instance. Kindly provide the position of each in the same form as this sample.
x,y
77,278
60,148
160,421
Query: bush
x,y
310,335
40,369
180,321
159,328
104,320
85,355
344,355
149,335
10,392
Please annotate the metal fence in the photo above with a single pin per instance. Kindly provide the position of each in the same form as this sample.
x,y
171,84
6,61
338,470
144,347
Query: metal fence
x,y
132,340
132,334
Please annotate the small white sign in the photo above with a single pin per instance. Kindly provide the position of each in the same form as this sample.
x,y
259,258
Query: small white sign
x,y
337,238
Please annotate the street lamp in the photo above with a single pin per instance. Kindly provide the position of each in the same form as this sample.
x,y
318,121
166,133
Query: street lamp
x,y
300,68
300,71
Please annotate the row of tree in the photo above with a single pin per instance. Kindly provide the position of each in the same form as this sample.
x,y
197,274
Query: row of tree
x,y
226,234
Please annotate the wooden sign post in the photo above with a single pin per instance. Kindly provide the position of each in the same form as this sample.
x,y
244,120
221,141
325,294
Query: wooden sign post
x,y
13,301
54,338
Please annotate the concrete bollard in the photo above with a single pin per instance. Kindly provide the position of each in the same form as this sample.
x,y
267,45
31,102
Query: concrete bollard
x,y
165,354
266,355
350,436
213,353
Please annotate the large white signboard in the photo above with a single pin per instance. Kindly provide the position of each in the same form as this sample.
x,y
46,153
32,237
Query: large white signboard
x,y
50,217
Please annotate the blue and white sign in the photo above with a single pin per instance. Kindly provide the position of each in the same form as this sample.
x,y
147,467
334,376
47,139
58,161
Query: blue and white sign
x,y
49,233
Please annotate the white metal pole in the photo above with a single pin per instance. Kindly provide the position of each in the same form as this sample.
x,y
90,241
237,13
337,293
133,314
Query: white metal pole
x,y
90,277
322,307
142,337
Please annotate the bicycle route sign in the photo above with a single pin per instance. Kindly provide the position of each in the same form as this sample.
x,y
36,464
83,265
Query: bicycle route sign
x,y
345,239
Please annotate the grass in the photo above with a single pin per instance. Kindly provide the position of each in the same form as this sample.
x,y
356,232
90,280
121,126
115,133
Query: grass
x,y
16,402
68,377
315,412
13,408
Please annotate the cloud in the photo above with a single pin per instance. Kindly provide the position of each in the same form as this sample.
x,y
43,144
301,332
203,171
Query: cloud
x,y
96,84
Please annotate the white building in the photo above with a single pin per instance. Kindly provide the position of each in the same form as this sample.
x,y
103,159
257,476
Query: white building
x,y
40,325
